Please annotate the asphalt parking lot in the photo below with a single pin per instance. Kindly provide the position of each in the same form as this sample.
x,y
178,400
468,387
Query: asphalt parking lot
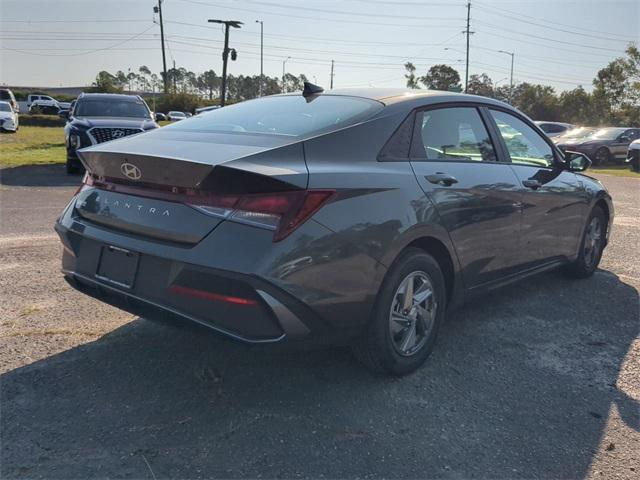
x,y
542,380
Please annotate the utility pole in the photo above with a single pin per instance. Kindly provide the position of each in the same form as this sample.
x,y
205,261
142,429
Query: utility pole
x,y
175,88
331,86
261,55
225,54
511,83
284,62
466,73
158,10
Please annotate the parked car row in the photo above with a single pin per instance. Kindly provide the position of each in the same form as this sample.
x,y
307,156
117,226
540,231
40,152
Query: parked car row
x,y
602,145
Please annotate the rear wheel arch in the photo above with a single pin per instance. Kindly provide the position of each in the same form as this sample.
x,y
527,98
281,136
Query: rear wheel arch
x,y
440,253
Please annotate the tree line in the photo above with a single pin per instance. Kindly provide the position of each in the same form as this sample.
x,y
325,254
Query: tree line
x,y
614,100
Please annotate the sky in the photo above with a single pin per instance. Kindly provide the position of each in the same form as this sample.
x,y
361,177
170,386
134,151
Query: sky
x,y
561,43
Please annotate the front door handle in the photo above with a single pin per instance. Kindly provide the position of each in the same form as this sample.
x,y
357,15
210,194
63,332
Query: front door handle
x,y
533,184
440,178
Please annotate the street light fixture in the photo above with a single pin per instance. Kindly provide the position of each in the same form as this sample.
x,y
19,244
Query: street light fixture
x,y
225,54
284,62
261,54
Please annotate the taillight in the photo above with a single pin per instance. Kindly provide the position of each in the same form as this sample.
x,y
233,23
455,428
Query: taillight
x,y
282,212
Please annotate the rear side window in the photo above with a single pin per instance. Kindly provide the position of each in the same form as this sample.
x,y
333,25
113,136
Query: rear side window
x,y
283,115
453,134
525,145
551,128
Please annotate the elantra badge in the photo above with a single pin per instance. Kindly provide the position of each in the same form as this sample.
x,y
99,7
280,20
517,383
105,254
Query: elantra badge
x,y
129,170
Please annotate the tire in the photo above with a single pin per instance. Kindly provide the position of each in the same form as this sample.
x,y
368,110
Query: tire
x,y
71,168
602,156
385,346
591,248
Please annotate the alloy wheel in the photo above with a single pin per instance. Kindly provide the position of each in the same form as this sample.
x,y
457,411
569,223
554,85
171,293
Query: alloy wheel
x,y
413,313
592,241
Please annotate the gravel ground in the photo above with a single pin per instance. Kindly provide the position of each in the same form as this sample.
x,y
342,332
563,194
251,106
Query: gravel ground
x,y
542,380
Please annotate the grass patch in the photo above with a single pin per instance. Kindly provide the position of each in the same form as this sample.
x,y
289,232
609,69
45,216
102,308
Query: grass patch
x,y
32,146
41,121
616,170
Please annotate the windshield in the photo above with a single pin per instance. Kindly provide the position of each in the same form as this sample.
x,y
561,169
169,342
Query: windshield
x,y
283,115
111,108
5,107
607,133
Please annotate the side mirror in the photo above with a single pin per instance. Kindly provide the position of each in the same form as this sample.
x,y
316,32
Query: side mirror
x,y
64,114
576,161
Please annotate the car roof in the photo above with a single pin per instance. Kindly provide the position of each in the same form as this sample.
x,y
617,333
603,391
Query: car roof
x,y
118,96
564,124
408,96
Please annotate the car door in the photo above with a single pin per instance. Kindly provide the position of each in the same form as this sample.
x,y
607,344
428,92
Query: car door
x,y
478,197
555,201
621,144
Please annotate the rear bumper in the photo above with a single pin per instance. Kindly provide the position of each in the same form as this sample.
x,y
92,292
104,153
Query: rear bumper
x,y
257,313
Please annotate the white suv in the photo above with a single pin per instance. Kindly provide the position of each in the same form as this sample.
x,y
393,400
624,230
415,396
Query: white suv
x,y
41,101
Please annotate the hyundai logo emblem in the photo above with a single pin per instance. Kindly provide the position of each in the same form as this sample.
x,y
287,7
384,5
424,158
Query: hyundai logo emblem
x,y
130,171
117,133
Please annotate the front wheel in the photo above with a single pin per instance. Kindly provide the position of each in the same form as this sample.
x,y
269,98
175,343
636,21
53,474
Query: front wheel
x,y
408,312
591,246
602,156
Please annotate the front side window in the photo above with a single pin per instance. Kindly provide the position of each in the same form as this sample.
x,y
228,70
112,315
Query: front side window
x,y
525,145
452,134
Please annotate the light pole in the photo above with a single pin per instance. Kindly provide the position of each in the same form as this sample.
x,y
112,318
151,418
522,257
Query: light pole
x,y
261,54
284,62
511,82
225,54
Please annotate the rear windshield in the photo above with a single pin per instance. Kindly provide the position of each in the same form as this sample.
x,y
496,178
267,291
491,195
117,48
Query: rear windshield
x,y
111,108
283,115
5,107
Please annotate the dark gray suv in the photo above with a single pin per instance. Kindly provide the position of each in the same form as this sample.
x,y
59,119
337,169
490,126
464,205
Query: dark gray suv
x,y
357,217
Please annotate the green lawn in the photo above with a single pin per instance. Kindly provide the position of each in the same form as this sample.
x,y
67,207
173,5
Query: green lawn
x,y
32,146
617,170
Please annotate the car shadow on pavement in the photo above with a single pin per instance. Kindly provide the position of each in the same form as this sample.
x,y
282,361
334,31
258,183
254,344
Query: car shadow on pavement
x,y
54,175
521,384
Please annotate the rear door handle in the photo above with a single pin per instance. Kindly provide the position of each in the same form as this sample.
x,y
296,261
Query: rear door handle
x,y
533,184
440,178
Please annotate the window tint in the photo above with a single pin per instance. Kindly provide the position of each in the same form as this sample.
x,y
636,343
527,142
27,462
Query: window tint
x,y
551,128
524,144
5,107
291,115
452,134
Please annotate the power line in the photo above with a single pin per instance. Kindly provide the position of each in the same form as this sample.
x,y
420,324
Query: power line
x,y
516,32
315,19
75,21
556,29
94,50
355,14
551,22
537,44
